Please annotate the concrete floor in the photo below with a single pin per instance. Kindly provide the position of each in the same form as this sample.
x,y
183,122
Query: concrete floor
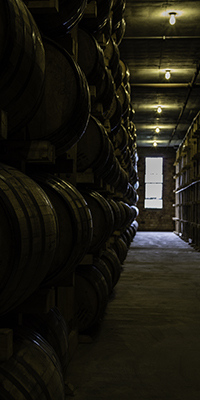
x,y
149,343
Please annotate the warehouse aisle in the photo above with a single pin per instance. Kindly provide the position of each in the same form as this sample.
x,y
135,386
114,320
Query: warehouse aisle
x,y
149,344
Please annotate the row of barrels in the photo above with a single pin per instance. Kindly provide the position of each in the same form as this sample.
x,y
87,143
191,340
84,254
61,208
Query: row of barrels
x,y
53,100
50,225
38,365
71,13
41,355
31,227
95,282
46,72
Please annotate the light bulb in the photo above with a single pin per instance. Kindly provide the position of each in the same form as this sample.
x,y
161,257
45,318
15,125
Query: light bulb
x,y
172,19
155,143
157,130
167,74
159,110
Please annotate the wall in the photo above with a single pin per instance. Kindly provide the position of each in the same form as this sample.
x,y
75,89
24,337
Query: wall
x,y
152,219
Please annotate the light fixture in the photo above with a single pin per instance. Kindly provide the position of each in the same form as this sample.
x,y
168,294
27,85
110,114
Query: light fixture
x,y
172,19
159,110
167,74
155,143
157,130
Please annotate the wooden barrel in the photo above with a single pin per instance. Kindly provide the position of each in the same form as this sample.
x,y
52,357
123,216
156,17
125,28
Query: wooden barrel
x,y
64,111
60,23
75,226
95,150
105,92
98,22
127,164
91,296
122,182
103,268
116,212
124,98
134,227
29,236
33,372
53,329
102,216
131,195
120,248
91,59
118,10
105,32
118,31
123,215
22,70
121,141
127,236
114,115
125,72
131,213
112,57
111,259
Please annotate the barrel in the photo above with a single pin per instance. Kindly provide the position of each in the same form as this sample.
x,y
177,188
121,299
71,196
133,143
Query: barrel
x,y
29,236
22,70
120,247
52,327
125,72
102,216
127,236
127,164
134,227
90,296
64,112
131,213
131,194
103,268
122,182
118,31
105,92
112,57
121,141
95,150
33,372
118,10
124,98
105,32
114,115
112,261
116,212
60,23
75,226
98,22
91,59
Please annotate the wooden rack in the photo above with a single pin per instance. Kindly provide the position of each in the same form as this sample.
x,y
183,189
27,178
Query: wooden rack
x,y
187,186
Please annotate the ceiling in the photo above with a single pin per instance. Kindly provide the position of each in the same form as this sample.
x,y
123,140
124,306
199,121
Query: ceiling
x,y
151,46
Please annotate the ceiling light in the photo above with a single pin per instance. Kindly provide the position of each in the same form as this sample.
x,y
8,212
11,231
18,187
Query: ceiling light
x,y
155,143
157,130
167,74
159,110
172,19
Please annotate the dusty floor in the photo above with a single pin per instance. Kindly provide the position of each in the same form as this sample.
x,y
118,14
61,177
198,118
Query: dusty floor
x,y
149,343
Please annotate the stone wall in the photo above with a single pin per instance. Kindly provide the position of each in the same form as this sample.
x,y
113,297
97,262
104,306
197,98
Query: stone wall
x,y
156,219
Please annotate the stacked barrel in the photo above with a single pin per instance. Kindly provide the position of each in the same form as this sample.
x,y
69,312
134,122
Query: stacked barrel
x,y
68,178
